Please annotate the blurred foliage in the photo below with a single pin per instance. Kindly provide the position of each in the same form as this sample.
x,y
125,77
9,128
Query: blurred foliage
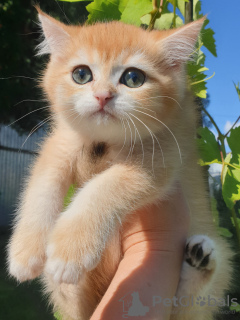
x,y
19,34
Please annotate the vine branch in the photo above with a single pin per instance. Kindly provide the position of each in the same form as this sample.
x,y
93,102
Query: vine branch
x,y
213,122
155,13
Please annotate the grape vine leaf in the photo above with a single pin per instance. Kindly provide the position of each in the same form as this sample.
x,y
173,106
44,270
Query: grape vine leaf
x,y
166,19
195,71
165,22
105,10
181,6
134,10
234,143
207,37
208,147
231,175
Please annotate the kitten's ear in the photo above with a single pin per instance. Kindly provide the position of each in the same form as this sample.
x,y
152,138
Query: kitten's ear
x,y
177,45
54,32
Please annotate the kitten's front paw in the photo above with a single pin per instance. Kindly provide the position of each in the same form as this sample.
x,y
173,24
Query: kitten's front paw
x,y
200,252
70,254
26,271
26,258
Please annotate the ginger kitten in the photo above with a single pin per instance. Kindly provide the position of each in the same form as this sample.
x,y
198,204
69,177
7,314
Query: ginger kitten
x,y
123,132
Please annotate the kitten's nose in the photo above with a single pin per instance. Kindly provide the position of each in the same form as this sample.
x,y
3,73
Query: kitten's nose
x,y
103,98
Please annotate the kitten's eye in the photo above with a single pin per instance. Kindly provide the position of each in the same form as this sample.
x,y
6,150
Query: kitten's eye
x,y
133,78
82,75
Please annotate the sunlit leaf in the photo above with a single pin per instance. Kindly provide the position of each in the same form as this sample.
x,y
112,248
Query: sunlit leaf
x,y
196,9
230,189
231,177
208,147
105,10
134,10
181,6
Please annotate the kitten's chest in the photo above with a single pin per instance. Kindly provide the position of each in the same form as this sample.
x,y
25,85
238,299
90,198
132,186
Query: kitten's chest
x,y
92,159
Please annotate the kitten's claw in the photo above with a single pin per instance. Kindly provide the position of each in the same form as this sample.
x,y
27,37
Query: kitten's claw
x,y
200,252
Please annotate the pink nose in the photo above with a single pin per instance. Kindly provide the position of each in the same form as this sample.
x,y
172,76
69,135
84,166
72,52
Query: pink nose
x,y
103,98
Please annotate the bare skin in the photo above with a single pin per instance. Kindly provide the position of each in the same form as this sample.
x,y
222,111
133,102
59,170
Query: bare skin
x,y
153,244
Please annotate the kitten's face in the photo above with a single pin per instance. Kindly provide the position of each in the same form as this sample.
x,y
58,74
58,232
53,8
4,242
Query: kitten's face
x,y
109,80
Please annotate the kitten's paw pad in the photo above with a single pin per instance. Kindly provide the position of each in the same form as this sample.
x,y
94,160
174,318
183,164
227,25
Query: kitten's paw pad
x,y
200,252
31,270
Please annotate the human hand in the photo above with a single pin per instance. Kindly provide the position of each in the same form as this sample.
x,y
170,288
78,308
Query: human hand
x,y
153,242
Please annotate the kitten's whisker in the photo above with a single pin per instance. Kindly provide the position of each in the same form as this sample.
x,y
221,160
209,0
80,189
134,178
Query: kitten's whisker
x,y
146,109
136,130
28,100
40,125
34,129
161,150
162,97
12,77
130,148
179,150
27,115
123,125
134,134
157,142
152,139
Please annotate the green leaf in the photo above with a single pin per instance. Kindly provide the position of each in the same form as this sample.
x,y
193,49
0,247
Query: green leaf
x,y
135,10
208,39
75,0
208,147
197,77
237,89
225,232
165,22
235,308
234,140
230,188
57,316
196,9
69,195
231,174
181,6
105,10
